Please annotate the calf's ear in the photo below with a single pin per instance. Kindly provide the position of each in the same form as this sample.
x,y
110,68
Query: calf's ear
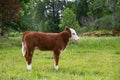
x,y
67,29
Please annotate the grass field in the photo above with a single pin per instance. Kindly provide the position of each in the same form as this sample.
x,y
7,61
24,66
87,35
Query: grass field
x,y
90,58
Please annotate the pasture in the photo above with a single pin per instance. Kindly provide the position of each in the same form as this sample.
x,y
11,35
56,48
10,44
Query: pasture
x,y
90,58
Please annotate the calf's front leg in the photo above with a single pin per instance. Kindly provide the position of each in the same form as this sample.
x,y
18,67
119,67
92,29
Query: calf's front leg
x,y
56,59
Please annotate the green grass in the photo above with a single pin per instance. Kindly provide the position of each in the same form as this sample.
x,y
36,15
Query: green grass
x,y
90,58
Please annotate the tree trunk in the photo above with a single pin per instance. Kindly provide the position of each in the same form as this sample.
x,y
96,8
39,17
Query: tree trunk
x,y
2,27
2,30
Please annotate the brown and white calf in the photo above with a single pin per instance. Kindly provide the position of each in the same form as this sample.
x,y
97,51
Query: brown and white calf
x,y
55,42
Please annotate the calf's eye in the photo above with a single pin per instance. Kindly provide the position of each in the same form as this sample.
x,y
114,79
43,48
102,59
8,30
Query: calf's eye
x,y
73,33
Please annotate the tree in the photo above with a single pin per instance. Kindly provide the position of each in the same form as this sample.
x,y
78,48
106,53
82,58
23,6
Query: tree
x,y
48,12
9,12
68,20
106,12
81,12
113,4
53,14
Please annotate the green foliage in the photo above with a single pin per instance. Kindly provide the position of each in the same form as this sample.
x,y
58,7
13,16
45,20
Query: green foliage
x,y
91,58
49,26
26,6
14,34
98,7
73,6
39,12
68,20
55,15
83,29
103,23
44,16
118,21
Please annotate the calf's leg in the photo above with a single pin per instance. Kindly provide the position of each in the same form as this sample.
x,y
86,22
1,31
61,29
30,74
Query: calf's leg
x,y
28,57
56,59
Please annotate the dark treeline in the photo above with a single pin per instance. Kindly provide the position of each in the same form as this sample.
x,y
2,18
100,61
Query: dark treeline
x,y
55,15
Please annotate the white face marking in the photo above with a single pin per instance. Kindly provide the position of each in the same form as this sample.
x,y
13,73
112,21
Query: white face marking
x,y
29,67
23,49
74,36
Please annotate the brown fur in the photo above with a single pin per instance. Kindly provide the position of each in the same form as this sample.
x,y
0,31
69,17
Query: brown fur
x,y
45,41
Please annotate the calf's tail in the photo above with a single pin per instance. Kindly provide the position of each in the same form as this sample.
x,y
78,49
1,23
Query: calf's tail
x,y
23,48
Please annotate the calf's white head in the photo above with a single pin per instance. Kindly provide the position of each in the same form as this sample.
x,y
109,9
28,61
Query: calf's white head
x,y
74,35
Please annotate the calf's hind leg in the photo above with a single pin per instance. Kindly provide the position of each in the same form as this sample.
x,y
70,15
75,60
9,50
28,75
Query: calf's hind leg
x,y
28,57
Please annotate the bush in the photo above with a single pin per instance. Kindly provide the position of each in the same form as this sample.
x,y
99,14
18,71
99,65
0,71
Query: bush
x,y
83,29
103,23
14,34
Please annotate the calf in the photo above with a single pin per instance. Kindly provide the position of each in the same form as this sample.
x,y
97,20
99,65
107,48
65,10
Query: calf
x,y
55,42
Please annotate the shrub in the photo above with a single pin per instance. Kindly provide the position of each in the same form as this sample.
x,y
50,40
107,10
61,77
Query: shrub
x,y
83,29
103,23
14,34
